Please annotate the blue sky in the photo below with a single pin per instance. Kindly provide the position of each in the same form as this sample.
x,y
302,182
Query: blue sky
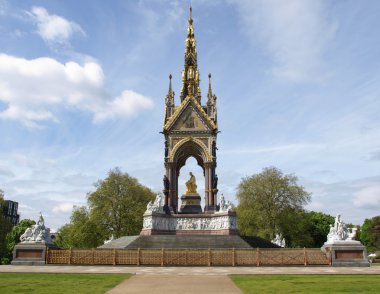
x,y
82,87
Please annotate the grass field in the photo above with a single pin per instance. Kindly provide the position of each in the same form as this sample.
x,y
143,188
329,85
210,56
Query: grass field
x,y
308,283
58,283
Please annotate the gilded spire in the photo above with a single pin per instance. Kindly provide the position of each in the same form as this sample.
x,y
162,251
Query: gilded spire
x,y
169,100
209,93
190,73
211,101
170,96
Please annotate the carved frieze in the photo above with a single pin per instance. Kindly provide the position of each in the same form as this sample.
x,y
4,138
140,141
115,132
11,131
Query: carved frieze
x,y
165,223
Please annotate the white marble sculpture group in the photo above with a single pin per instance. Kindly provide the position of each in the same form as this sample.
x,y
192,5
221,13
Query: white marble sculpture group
x,y
225,206
279,241
340,232
37,233
155,205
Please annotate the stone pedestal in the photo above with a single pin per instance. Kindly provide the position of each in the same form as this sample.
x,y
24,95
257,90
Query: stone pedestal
x,y
191,203
30,254
346,253
211,208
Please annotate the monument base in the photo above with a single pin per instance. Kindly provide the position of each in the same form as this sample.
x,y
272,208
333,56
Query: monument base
x,y
346,253
223,223
191,203
29,254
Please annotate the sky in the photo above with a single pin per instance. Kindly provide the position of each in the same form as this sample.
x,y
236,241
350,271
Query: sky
x,y
82,88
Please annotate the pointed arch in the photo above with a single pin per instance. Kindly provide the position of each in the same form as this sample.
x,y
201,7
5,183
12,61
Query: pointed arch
x,y
188,147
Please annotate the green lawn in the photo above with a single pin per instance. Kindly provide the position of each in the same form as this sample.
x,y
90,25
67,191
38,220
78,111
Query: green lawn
x,y
58,283
308,283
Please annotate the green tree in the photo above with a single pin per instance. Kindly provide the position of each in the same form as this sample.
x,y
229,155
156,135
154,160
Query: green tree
x,y
114,208
269,203
294,228
13,237
81,232
5,227
370,233
118,204
318,227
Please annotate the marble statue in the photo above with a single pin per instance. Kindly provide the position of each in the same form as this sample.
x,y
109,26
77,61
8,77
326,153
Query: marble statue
x,y
225,206
215,182
166,183
340,232
37,233
278,240
157,205
191,186
111,239
166,148
214,148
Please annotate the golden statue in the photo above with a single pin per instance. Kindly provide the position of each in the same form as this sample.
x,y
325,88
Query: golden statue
x,y
191,186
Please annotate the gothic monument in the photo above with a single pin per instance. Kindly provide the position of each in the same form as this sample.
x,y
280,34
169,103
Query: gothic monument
x,y
190,130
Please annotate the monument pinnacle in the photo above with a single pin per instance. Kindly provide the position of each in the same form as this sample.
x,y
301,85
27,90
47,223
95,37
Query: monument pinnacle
x,y
190,73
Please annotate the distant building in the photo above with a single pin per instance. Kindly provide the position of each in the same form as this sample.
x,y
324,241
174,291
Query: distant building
x,y
10,211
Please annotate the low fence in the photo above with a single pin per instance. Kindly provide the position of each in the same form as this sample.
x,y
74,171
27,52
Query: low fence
x,y
189,257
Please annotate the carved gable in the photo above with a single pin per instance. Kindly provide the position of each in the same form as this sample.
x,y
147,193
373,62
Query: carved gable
x,y
190,117
190,120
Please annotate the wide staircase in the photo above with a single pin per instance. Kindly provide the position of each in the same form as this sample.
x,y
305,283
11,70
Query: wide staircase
x,y
188,241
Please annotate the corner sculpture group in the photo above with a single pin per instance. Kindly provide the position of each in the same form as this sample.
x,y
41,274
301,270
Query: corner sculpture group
x,y
339,231
37,233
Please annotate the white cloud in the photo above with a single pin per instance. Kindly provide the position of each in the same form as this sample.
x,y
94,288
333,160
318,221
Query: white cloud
x,y
63,207
295,32
128,103
368,197
47,82
28,118
54,28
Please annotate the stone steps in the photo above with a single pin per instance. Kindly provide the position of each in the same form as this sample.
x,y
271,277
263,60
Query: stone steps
x,y
189,242
120,243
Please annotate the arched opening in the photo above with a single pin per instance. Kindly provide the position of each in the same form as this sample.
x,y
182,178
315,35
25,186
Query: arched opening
x,y
202,164
191,165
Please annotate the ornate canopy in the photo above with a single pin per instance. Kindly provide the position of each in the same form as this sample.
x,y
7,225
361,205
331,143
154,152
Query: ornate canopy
x,y
190,130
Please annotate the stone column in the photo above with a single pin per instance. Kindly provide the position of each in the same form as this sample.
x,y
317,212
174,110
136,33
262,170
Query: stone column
x,y
170,176
210,203
206,188
210,180
175,190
